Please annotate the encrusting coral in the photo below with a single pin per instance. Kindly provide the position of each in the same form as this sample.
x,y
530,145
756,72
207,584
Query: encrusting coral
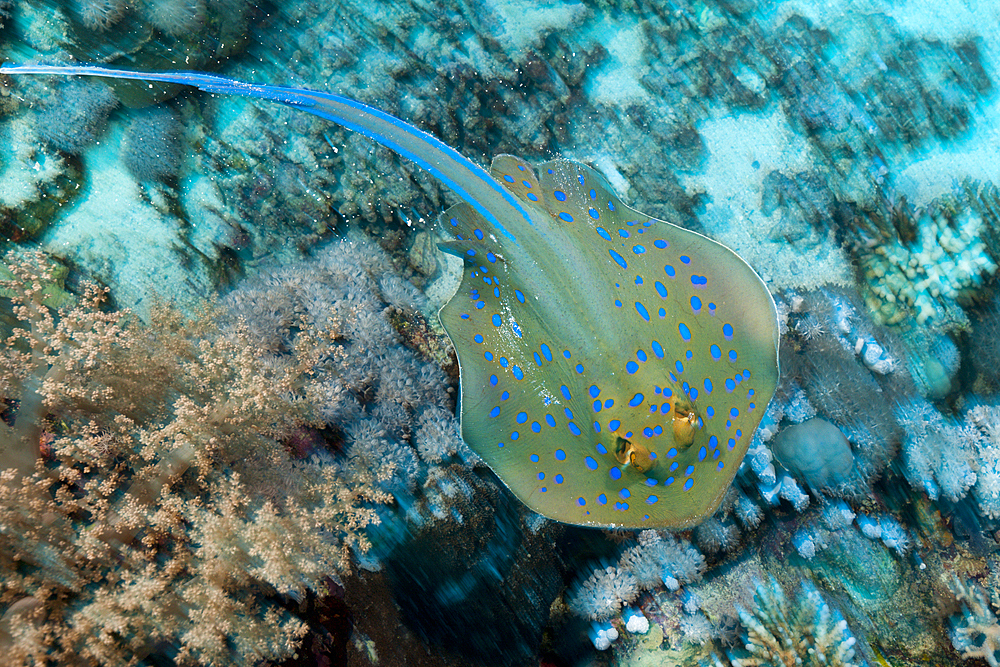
x,y
153,495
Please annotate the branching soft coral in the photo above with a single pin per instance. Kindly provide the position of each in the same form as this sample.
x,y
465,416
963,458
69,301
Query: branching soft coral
x,y
148,498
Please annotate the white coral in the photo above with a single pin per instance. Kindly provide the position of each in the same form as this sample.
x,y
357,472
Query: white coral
x,y
603,593
100,15
975,632
662,559
779,632
437,435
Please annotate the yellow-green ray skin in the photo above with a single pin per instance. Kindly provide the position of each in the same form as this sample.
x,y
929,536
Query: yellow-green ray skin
x,y
571,284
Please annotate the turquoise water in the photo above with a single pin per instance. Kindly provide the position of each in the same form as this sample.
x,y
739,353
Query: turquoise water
x,y
241,446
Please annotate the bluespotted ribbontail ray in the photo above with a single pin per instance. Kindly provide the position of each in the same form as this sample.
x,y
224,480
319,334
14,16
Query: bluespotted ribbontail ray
x,y
613,366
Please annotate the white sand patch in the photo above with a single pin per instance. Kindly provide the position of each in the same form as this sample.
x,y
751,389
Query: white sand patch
x,y
928,19
735,142
606,164
937,169
524,24
953,20
616,82
734,183
124,241
933,169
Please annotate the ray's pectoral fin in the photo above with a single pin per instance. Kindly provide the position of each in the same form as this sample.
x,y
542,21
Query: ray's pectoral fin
x,y
626,392
471,236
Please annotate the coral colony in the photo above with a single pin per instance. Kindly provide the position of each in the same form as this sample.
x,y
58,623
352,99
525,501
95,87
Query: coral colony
x,y
252,414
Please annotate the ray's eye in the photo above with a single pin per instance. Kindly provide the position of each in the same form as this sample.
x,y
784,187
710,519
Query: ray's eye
x,y
684,417
686,424
634,455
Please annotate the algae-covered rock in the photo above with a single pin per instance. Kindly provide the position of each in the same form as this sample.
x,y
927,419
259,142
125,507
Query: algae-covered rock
x,y
34,183
54,292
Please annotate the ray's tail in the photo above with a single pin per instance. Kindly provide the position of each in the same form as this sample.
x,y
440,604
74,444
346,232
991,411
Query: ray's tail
x,y
463,176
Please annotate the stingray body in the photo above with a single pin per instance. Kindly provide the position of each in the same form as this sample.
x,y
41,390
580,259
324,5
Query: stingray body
x,y
613,366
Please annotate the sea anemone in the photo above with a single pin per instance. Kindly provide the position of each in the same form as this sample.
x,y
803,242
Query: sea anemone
x,y
175,17
99,15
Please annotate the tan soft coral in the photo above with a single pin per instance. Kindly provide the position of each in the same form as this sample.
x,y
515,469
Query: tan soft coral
x,y
148,497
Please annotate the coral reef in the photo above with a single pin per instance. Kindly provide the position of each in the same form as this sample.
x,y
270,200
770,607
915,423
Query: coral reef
x,y
163,458
845,150
924,264
975,632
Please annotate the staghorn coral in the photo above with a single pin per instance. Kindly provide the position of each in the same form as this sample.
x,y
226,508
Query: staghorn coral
x,y
782,634
148,499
